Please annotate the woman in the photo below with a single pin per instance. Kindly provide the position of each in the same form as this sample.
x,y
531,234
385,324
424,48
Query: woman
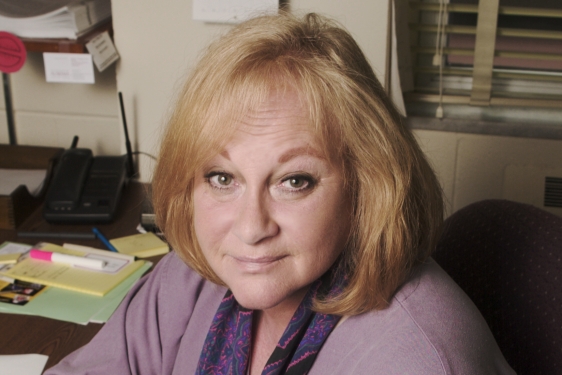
x,y
302,214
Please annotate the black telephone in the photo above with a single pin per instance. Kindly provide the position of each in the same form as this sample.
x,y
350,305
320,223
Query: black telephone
x,y
85,189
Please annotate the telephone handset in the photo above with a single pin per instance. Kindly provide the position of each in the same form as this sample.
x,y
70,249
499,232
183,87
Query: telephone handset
x,y
69,179
84,188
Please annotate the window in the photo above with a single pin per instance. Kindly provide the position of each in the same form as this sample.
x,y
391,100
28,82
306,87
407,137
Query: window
x,y
494,60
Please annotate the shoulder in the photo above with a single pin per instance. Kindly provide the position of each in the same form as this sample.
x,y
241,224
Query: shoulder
x,y
170,282
182,312
171,274
175,291
430,327
170,307
450,323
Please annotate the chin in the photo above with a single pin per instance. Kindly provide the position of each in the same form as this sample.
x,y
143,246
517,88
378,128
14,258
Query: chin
x,y
257,296
257,301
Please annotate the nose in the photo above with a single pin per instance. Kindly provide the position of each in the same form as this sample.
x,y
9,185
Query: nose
x,y
254,223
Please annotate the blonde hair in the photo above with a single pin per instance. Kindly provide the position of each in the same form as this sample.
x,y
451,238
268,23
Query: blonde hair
x,y
397,202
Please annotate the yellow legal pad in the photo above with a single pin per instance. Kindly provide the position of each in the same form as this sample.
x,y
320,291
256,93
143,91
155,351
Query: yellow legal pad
x,y
142,245
9,258
77,279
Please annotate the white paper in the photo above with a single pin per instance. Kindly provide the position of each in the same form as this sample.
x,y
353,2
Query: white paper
x,y
69,67
93,250
114,261
231,11
10,179
22,364
103,51
14,248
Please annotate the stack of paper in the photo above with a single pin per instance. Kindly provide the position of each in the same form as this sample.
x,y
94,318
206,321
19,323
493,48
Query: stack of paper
x,y
52,19
81,295
10,252
142,245
80,308
84,280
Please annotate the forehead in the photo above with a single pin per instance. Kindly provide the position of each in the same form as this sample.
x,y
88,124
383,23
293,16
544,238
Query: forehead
x,y
266,111
280,111
279,124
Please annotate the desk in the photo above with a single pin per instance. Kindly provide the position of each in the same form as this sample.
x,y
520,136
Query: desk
x,y
22,334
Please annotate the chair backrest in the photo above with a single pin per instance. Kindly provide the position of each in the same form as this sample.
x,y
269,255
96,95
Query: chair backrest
x,y
507,257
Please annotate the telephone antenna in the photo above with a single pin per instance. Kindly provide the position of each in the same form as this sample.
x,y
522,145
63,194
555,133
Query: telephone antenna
x,y
130,165
74,142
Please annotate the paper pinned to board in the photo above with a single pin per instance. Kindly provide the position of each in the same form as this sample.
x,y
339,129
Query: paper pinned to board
x,y
22,364
68,67
103,51
231,11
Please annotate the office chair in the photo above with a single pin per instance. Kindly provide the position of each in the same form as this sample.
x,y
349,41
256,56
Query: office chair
x,y
507,257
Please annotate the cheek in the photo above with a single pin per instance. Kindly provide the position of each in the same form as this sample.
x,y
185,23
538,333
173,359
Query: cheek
x,y
318,226
211,220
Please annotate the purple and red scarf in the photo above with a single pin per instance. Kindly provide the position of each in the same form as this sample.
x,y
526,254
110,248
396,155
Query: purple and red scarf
x,y
226,350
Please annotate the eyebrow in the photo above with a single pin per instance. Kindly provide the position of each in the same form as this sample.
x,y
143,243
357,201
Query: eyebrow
x,y
289,154
298,151
225,155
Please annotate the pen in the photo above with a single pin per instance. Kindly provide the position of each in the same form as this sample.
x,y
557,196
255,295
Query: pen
x,y
103,239
71,260
71,235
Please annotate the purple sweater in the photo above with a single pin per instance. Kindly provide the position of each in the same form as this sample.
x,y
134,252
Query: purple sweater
x,y
431,327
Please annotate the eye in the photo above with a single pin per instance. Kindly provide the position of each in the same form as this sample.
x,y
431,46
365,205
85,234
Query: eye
x,y
297,183
219,180
222,179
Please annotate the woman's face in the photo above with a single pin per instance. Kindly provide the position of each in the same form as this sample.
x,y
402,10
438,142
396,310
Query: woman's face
x,y
271,214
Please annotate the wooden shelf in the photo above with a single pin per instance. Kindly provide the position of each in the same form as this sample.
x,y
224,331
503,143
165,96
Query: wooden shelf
x,y
66,45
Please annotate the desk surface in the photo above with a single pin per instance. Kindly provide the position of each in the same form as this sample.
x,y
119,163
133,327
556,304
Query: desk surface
x,y
22,334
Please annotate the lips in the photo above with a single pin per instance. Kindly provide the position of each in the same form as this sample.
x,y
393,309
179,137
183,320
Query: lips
x,y
257,264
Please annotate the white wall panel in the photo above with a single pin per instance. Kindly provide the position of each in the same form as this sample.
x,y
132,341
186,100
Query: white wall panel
x,y
32,93
441,151
482,162
44,129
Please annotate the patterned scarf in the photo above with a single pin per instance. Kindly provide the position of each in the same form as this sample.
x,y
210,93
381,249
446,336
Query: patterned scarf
x,y
227,347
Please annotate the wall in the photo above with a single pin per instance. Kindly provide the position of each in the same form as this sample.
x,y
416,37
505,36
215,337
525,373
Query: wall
x,y
159,42
473,167
50,114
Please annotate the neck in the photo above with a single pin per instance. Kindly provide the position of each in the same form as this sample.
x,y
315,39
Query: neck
x,y
268,328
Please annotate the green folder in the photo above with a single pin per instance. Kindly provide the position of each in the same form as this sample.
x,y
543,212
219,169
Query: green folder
x,y
76,307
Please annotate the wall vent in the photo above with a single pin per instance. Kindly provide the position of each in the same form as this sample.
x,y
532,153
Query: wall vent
x,y
553,192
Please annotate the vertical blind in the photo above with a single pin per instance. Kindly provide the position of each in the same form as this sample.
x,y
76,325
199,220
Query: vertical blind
x,y
491,53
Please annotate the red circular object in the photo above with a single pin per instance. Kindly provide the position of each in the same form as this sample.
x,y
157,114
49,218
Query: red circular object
x,y
12,53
